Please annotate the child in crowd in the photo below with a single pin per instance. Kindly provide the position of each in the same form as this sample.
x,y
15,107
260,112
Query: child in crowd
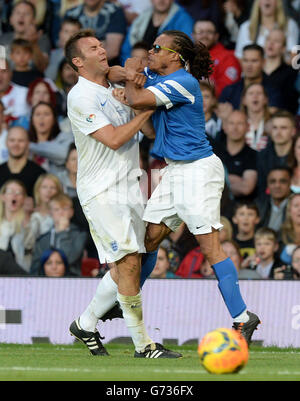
x,y
14,223
45,188
212,124
232,250
21,53
266,246
64,235
162,266
246,218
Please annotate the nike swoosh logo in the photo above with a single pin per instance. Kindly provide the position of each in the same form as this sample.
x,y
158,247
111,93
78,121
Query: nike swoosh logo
x,y
104,103
200,226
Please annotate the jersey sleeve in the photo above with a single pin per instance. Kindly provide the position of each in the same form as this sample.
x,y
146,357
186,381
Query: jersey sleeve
x,y
86,115
171,92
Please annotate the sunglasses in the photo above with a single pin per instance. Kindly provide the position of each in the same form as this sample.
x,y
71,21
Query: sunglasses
x,y
157,48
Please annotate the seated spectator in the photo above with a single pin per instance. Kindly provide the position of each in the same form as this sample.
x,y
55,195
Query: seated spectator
x,y
272,206
266,15
107,19
18,165
290,229
12,96
14,223
49,145
279,149
227,68
252,63
232,250
255,105
8,265
279,73
236,12
21,56
212,123
162,16
64,235
40,90
69,26
289,272
22,21
162,266
266,246
294,164
246,219
54,263
238,158
68,176
46,187
3,135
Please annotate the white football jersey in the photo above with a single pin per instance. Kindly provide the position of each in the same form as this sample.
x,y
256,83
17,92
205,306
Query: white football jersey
x,y
91,107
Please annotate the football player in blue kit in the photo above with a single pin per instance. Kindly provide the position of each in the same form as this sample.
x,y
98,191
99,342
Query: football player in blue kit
x,y
191,184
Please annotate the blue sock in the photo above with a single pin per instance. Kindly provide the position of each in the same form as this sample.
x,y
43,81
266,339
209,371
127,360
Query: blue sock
x,y
227,276
148,264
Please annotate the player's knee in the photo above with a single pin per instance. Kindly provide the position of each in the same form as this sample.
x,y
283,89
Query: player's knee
x,y
129,265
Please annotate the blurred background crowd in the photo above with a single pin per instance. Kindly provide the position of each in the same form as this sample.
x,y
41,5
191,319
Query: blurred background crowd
x,y
252,112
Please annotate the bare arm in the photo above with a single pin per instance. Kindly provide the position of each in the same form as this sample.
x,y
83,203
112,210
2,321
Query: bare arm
x,y
115,137
243,185
147,129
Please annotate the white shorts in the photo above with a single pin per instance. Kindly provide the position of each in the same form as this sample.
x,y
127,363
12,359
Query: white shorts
x,y
115,221
188,192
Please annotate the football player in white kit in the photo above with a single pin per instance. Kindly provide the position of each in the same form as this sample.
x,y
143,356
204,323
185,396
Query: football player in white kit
x,y
109,193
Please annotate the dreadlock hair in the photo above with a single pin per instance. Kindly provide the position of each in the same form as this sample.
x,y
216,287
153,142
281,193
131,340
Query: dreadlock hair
x,y
195,57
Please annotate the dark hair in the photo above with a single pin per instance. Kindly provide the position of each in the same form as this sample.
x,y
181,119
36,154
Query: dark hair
x,y
71,20
196,55
255,46
55,130
248,204
141,45
23,43
71,49
281,168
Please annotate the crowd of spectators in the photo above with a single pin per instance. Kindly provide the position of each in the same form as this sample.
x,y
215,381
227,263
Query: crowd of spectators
x,y
252,112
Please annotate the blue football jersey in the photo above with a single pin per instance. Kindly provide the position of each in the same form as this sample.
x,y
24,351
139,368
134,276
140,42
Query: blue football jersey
x,y
179,120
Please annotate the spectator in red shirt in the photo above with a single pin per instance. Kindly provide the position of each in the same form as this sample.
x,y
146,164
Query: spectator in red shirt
x,y
227,69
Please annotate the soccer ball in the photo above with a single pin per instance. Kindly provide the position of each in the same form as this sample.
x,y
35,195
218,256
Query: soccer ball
x,y
223,351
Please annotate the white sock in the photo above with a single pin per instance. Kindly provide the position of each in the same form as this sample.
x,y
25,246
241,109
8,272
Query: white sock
x,y
242,318
103,300
133,316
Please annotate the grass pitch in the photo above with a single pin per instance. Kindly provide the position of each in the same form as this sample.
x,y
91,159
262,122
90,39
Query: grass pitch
x,y
46,362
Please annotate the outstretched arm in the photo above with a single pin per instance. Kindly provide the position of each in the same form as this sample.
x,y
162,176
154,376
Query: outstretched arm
x,y
147,129
115,137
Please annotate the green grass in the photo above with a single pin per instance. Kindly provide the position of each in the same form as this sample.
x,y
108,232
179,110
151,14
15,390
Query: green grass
x,y
72,362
